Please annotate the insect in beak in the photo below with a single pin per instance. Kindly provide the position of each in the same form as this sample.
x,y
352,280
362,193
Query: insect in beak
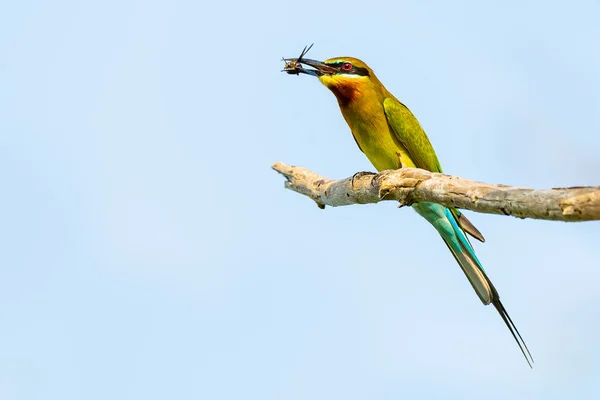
x,y
293,65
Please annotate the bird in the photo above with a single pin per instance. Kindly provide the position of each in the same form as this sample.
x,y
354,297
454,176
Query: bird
x,y
391,137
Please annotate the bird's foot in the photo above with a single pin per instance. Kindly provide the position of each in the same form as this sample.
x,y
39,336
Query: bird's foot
x,y
359,175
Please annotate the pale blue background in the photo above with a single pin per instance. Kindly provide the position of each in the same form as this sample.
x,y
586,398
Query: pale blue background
x,y
149,252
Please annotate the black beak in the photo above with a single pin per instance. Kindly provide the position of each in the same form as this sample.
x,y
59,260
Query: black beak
x,y
296,66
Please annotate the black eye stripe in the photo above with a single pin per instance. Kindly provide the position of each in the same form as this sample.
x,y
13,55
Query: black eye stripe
x,y
361,71
354,71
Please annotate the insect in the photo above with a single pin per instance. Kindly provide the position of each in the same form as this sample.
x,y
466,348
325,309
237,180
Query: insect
x,y
293,65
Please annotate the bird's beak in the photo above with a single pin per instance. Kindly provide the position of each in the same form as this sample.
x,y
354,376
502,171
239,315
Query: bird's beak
x,y
296,66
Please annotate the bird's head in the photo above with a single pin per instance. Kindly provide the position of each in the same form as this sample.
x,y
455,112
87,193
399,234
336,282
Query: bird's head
x,y
346,77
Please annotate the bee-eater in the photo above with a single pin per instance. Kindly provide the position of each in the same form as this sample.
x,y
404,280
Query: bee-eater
x,y
387,132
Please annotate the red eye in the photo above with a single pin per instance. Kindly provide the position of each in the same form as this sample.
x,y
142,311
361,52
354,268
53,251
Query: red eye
x,y
346,66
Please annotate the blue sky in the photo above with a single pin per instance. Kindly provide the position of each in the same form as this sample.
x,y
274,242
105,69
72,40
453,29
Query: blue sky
x,y
149,251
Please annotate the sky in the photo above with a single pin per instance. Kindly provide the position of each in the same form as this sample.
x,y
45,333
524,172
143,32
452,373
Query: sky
x,y
148,250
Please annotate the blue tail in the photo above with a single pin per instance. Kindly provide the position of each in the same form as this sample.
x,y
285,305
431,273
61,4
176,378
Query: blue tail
x,y
445,223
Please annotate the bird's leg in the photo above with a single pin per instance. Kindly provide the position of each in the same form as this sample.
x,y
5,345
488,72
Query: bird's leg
x,y
359,175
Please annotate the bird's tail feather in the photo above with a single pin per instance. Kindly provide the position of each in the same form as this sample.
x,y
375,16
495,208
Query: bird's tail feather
x,y
514,331
467,225
463,252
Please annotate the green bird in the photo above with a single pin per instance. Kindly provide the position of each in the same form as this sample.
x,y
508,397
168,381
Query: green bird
x,y
387,132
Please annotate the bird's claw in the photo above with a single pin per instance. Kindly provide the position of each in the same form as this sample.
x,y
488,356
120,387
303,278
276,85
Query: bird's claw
x,y
359,175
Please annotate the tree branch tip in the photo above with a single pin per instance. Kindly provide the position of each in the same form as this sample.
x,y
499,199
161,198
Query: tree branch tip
x,y
284,170
278,166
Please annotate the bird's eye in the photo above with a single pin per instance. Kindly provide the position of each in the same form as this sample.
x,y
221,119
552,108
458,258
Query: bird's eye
x,y
346,66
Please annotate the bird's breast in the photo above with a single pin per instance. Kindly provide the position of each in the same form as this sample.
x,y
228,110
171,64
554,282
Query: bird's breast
x,y
371,130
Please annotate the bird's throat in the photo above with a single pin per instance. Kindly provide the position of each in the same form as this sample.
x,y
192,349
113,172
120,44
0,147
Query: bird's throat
x,y
345,94
345,90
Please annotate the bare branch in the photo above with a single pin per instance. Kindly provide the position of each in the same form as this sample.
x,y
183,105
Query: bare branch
x,y
411,185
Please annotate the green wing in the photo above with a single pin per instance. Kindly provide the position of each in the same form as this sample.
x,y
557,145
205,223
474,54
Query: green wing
x,y
409,133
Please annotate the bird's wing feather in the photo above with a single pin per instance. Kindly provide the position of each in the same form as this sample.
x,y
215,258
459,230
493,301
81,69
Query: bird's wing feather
x,y
411,135
467,225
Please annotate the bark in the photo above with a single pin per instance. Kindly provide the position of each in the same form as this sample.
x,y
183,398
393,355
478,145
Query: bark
x,y
412,185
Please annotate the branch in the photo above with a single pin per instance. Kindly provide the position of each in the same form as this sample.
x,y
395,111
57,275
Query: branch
x,y
411,185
